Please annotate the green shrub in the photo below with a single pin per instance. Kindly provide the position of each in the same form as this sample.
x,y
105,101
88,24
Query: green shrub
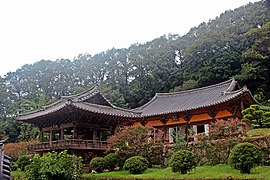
x,y
112,160
14,166
182,161
136,165
61,166
23,161
98,164
245,156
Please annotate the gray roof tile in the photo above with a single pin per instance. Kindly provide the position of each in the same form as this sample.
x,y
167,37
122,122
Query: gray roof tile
x,y
164,103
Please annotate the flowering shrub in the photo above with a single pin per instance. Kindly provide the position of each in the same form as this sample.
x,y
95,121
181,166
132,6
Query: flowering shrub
x,y
231,128
183,161
139,141
15,150
214,147
136,165
245,156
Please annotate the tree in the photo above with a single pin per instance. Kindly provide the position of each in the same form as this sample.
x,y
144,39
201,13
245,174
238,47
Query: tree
x,y
139,141
245,156
2,133
257,116
183,161
15,150
214,148
29,132
207,54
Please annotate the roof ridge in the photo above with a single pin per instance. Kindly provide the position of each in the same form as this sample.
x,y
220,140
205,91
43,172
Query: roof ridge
x,y
146,104
196,89
52,104
114,107
106,100
79,94
232,85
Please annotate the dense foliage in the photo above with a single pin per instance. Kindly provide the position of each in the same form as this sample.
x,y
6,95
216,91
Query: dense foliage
x,y
98,164
214,148
257,116
235,44
15,150
54,165
139,141
23,161
113,160
183,161
245,156
136,165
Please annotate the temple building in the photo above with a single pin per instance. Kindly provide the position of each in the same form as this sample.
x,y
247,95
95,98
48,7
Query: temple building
x,y
81,123
194,109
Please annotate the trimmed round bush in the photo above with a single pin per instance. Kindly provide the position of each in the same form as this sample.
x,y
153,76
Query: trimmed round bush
x,y
98,164
113,160
245,156
23,161
136,165
182,161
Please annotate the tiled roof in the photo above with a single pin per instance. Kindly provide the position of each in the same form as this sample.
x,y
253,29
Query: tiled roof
x,y
165,103
114,111
81,101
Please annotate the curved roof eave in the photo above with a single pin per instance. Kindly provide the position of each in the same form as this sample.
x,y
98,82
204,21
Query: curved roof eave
x,y
237,94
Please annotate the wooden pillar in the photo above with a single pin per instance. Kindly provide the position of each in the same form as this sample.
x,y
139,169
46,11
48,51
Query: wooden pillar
x,y
61,133
164,121
51,137
41,135
75,131
94,133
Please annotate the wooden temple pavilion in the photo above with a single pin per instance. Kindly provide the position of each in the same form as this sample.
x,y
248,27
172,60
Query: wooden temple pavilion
x,y
81,123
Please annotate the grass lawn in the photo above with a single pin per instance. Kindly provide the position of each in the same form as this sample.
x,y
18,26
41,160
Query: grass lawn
x,y
218,171
258,133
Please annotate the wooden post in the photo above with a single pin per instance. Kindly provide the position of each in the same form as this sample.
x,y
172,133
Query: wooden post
x,y
164,121
61,133
75,132
94,133
51,137
40,135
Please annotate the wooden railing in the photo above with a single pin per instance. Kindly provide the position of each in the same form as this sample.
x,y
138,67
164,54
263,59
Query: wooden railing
x,y
69,144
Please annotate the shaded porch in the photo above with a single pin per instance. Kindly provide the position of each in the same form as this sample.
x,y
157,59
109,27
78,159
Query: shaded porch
x,y
73,136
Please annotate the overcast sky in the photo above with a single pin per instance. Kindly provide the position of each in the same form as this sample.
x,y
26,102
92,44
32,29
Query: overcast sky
x,y
32,30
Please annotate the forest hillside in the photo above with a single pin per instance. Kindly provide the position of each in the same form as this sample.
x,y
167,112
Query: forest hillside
x,y
234,45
